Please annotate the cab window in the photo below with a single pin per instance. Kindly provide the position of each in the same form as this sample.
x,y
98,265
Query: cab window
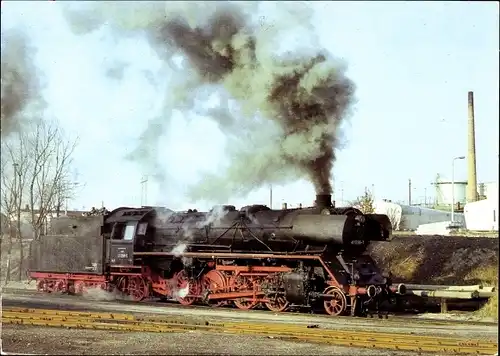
x,y
141,229
128,234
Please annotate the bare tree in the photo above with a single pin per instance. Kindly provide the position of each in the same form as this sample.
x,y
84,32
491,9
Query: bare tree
x,y
41,158
13,174
364,202
394,218
50,173
8,208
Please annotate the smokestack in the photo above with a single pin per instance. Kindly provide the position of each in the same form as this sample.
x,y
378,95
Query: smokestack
x,y
471,154
324,201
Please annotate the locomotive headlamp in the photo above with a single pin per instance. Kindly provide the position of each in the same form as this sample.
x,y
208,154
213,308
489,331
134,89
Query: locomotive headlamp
x,y
360,218
325,212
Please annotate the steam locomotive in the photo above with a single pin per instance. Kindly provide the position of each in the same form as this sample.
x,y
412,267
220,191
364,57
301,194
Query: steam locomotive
x,y
255,256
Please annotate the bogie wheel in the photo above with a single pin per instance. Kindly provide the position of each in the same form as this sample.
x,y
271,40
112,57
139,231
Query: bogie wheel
x,y
71,288
50,286
40,286
244,284
215,282
185,286
138,289
79,287
337,303
60,286
277,303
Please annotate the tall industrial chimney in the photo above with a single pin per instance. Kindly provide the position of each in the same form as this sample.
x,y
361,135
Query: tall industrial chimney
x,y
471,154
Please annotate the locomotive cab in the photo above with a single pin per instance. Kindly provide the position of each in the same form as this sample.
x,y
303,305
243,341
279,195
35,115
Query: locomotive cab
x,y
128,231
121,243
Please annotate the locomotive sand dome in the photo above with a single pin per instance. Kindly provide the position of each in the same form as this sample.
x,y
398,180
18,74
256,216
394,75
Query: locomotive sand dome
x,y
311,257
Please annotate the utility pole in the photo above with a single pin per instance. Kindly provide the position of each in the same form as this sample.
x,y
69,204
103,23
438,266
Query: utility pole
x,y
453,187
271,196
409,192
144,190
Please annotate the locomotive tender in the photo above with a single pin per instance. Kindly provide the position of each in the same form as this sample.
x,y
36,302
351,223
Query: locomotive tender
x,y
307,257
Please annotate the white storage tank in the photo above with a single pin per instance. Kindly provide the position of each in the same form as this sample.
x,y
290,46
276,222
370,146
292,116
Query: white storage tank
x,y
444,194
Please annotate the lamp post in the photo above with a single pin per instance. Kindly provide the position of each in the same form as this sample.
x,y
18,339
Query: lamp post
x,y
144,190
271,196
453,188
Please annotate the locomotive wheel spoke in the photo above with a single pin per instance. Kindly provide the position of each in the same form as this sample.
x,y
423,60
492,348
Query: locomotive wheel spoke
x,y
337,303
121,285
277,303
215,282
244,284
183,283
137,288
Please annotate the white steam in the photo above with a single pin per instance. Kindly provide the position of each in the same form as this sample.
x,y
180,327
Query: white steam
x,y
179,249
181,293
97,293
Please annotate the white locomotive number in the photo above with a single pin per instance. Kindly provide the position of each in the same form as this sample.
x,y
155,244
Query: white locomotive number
x,y
122,255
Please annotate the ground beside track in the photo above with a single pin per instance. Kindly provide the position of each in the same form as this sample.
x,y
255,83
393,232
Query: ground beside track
x,y
456,260
423,310
55,341
484,331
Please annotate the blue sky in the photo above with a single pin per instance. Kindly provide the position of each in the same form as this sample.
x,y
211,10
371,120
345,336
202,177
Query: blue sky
x,y
413,64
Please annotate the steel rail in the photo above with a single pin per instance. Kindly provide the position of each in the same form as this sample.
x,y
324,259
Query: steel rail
x,y
128,322
396,317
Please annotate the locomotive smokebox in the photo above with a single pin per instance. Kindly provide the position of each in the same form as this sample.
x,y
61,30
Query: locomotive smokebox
x,y
378,227
324,201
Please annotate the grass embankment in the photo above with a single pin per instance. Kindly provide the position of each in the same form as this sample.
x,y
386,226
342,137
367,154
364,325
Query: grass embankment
x,y
489,277
445,260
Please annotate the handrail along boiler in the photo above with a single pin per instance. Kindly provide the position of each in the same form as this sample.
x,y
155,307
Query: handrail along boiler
x,y
306,257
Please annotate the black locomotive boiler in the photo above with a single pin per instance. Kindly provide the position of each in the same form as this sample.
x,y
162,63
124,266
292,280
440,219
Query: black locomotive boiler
x,y
308,257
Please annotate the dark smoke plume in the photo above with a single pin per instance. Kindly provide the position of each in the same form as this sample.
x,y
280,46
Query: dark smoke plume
x,y
289,103
19,80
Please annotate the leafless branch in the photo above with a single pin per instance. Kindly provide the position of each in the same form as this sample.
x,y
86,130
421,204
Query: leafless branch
x,y
36,167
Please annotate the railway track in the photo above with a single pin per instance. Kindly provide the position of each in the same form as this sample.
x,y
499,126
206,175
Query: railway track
x,y
310,333
58,302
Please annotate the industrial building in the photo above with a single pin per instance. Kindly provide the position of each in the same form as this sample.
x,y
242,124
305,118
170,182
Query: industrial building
x,y
409,218
482,215
474,206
